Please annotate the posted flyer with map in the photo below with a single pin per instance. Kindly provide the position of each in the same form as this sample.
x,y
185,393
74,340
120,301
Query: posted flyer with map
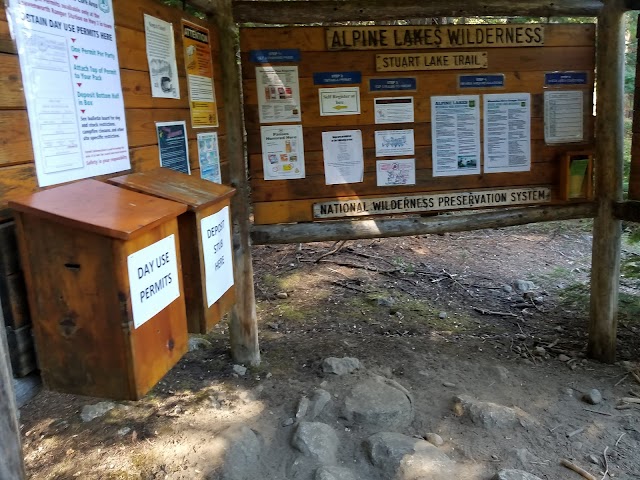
x,y
209,157
71,77
393,143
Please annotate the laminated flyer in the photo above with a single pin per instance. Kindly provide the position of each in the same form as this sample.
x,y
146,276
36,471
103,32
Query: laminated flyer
x,y
199,67
455,130
282,152
278,92
161,55
507,132
173,147
209,157
71,79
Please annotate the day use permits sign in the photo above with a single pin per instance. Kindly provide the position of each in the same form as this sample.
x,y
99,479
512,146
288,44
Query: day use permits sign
x,y
153,279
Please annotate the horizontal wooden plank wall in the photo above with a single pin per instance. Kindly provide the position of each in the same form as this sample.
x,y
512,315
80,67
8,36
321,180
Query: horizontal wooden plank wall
x,y
17,168
566,48
634,174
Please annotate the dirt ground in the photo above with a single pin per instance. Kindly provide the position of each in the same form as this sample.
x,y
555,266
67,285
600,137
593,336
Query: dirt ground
x,y
439,315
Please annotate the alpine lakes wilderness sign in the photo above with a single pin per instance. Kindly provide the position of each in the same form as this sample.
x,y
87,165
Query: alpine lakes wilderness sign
x,y
431,202
434,36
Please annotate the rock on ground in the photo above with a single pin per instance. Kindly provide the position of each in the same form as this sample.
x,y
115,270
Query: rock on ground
x,y
486,414
340,366
334,473
522,286
317,403
90,412
316,440
514,475
242,456
379,403
400,457
593,396
196,343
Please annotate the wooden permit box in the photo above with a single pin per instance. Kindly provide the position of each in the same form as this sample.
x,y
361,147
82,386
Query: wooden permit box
x,y
202,199
106,300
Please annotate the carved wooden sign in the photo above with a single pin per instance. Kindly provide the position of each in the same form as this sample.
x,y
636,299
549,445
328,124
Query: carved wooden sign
x,y
430,61
434,36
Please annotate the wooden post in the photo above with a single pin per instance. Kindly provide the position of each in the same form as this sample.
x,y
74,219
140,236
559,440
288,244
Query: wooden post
x,y
11,464
607,230
244,322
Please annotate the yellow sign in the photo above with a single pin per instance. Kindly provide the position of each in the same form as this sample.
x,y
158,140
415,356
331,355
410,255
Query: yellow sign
x,y
430,61
199,66
434,36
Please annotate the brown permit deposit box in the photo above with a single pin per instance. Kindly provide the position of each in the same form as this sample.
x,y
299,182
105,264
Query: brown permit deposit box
x,y
102,266
202,254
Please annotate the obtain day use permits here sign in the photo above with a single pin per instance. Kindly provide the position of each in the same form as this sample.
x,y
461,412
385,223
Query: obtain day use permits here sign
x,y
153,279
216,246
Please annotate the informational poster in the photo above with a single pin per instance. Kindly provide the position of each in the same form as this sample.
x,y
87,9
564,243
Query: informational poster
x,y
172,143
199,67
278,94
71,79
343,157
153,279
282,152
393,110
391,173
455,131
209,157
563,116
339,101
393,143
161,55
507,132
216,248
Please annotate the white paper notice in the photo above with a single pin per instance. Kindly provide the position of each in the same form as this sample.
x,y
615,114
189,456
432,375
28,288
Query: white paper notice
x,y
507,132
343,157
216,247
278,94
282,152
153,279
455,129
393,110
71,79
390,173
339,101
563,116
161,55
393,143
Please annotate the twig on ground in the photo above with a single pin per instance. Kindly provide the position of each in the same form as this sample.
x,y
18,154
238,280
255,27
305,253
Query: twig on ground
x,y
491,312
634,393
606,463
364,267
336,246
597,411
346,285
572,466
619,438
624,377
636,376
575,432
457,282
630,400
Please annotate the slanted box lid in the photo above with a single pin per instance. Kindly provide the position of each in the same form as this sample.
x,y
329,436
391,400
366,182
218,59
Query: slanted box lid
x,y
192,191
100,208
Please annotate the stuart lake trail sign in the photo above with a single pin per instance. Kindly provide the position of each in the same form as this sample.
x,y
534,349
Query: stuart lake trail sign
x,y
387,120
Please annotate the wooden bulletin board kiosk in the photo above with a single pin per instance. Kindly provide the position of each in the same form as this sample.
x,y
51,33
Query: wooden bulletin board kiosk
x,y
205,240
107,303
346,122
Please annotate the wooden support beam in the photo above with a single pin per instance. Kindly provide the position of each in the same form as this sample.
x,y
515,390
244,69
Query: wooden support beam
x,y
377,228
244,322
607,230
329,11
627,211
11,463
